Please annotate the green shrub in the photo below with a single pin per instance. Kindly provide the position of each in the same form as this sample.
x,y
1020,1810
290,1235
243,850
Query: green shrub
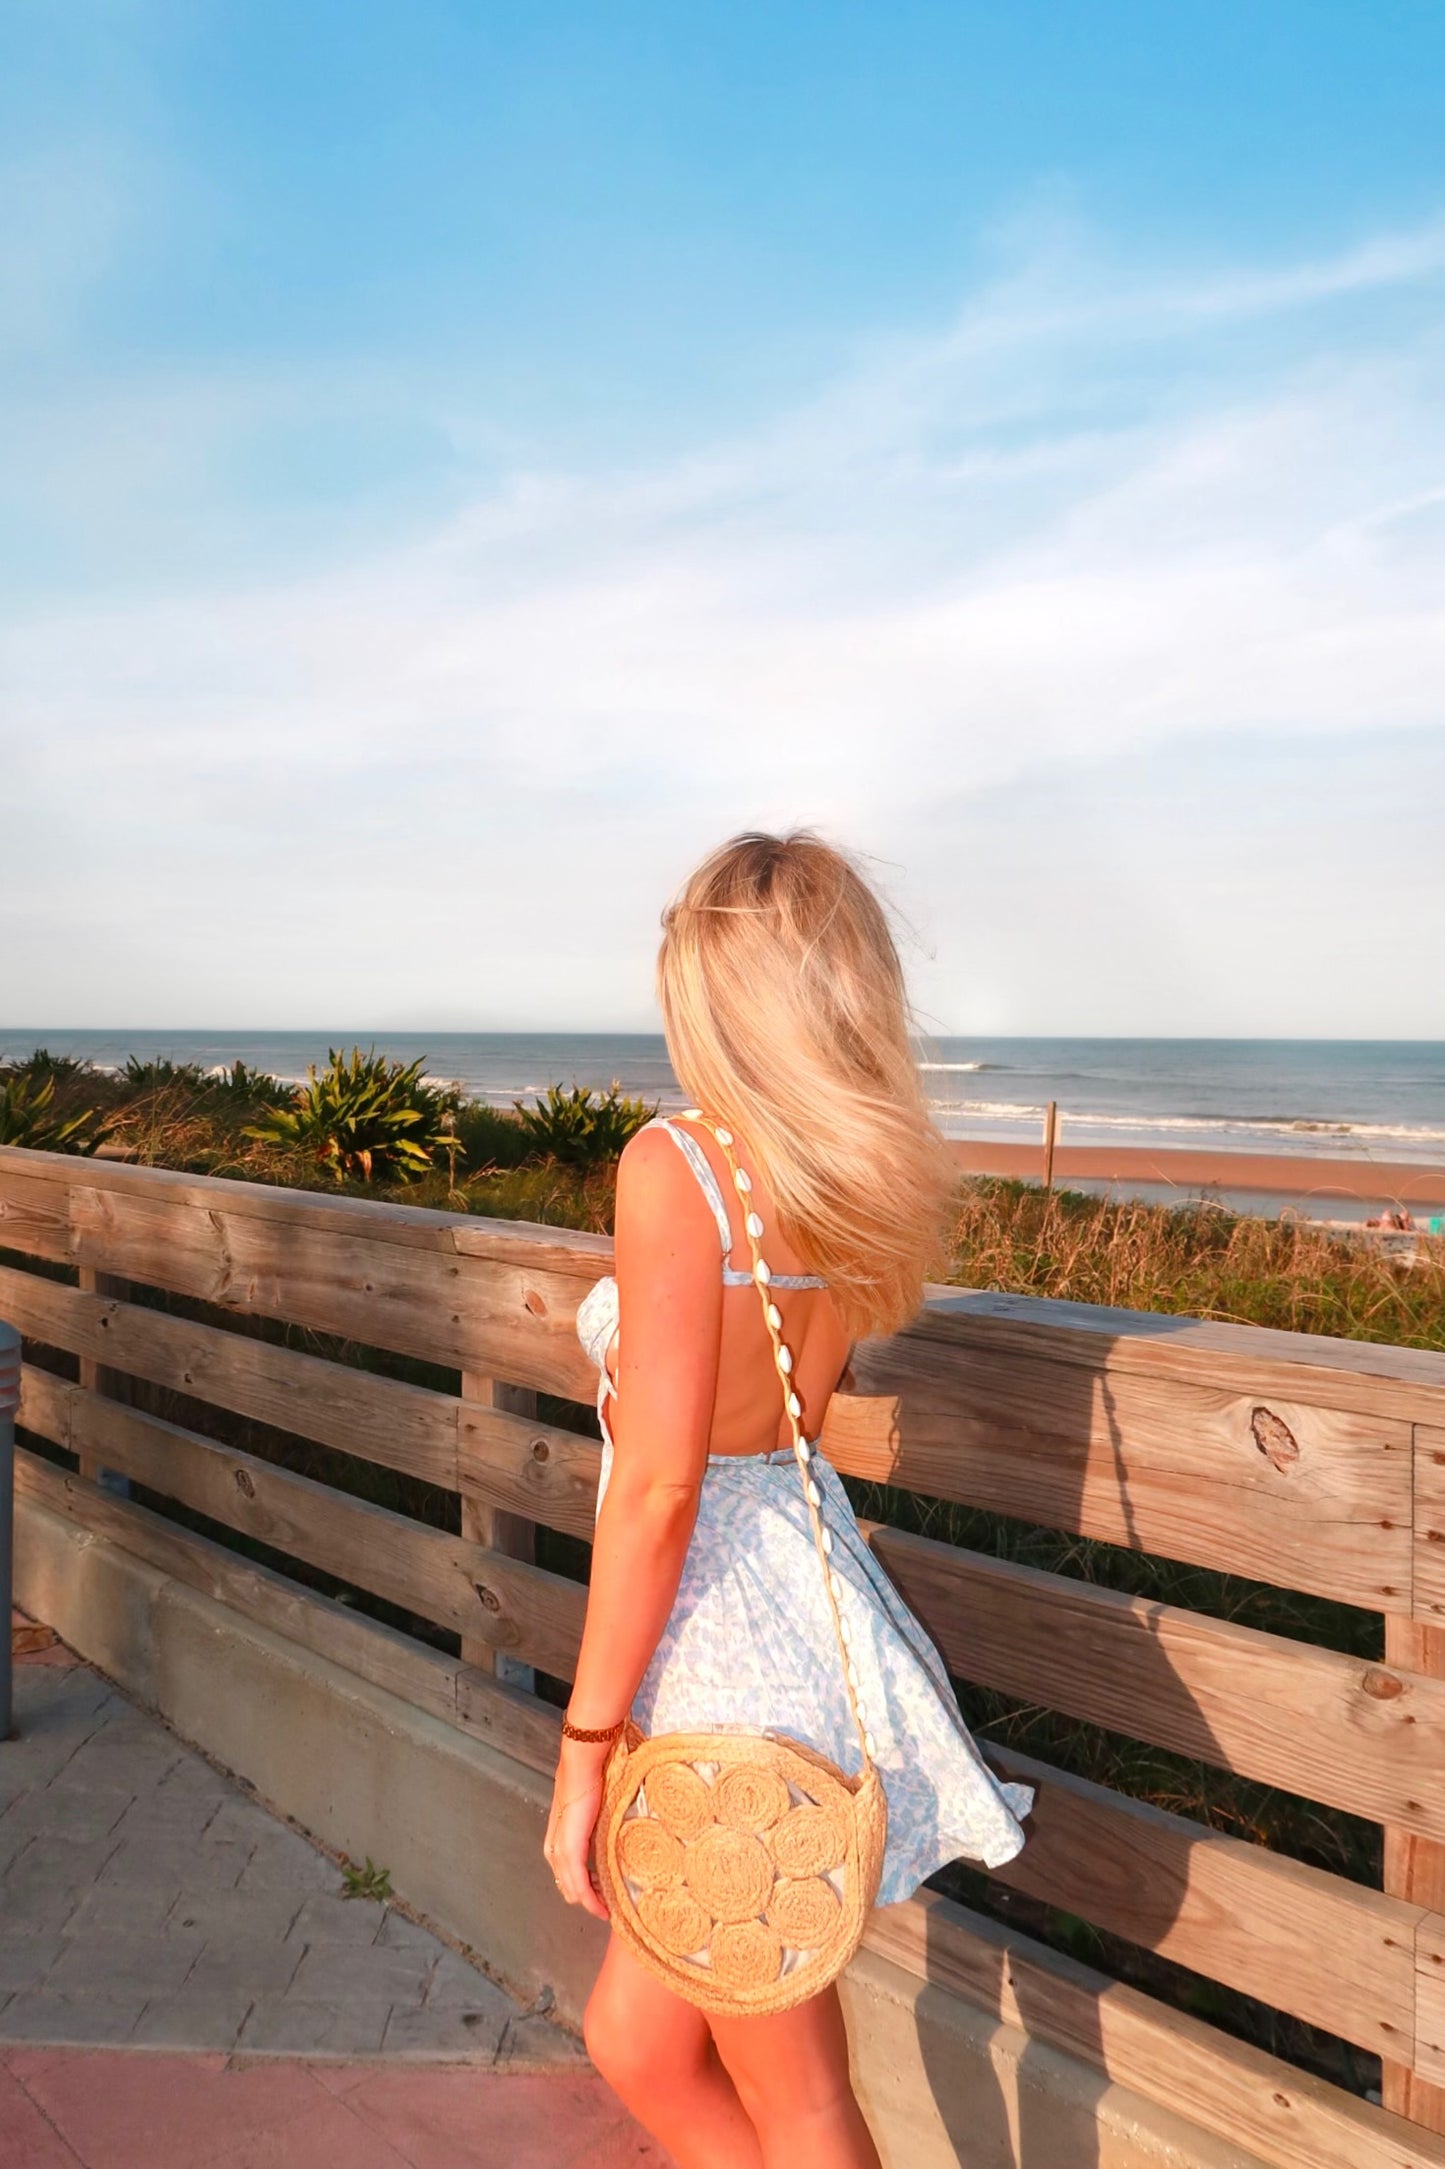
x,y
491,1136
159,1072
30,1117
250,1087
61,1069
582,1128
362,1114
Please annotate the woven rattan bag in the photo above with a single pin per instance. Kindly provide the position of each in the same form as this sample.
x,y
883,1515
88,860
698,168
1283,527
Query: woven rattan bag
x,y
739,1866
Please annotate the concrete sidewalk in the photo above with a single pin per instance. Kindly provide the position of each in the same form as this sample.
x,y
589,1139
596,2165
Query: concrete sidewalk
x,y
148,1904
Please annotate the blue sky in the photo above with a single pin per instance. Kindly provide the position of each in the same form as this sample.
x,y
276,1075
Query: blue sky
x,y
457,462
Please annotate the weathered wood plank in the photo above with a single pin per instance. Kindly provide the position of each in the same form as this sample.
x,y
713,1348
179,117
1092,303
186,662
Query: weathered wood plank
x,y
517,1724
496,1527
468,1313
537,1470
1427,2090
1230,1910
34,1212
1430,1524
1369,1738
360,1412
481,1594
1305,1496
1284,2116
1414,1866
1373,1378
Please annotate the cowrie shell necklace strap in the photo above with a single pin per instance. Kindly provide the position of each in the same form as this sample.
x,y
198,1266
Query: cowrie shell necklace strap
x,y
802,1452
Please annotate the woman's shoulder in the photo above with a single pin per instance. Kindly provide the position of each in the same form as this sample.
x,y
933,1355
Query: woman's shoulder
x,y
657,1187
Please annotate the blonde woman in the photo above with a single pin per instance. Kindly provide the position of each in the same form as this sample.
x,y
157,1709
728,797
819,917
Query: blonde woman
x,y
787,1024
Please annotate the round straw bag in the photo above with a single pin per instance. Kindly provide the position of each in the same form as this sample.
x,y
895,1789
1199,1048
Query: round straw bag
x,y
740,1867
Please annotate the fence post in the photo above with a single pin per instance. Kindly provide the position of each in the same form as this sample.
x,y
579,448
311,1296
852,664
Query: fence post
x,y
496,1528
1051,1131
100,1378
1414,1867
9,1402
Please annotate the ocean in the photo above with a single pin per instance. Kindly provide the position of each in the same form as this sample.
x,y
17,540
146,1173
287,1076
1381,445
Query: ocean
x,y
1375,1099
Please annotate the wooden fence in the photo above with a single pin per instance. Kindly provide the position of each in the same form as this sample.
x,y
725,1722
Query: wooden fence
x,y
1310,1464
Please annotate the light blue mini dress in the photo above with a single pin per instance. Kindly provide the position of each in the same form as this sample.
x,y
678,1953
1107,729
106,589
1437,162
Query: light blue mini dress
x,y
750,1639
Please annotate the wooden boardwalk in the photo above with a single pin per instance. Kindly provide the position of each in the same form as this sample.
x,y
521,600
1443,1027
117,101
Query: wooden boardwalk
x,y
1309,1464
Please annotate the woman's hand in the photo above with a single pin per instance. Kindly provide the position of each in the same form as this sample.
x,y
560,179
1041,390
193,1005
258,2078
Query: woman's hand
x,y
576,1802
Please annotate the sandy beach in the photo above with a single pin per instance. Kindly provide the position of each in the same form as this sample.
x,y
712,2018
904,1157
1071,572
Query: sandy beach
x,y
1312,1185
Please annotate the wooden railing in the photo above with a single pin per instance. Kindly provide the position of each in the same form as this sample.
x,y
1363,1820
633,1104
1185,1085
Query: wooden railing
x,y
1310,1464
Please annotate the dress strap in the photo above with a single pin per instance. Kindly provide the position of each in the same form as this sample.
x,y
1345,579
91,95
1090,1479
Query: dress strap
x,y
711,1189
707,1181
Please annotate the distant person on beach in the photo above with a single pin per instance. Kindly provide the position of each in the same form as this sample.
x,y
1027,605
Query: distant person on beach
x,y
728,1571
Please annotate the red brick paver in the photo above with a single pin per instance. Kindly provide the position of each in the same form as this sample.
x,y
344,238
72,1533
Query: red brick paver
x,y
139,2109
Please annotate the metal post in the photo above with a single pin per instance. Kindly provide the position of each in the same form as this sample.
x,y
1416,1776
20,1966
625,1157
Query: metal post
x,y
9,1402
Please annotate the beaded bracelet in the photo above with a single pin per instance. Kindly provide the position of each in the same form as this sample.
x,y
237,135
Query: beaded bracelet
x,y
592,1736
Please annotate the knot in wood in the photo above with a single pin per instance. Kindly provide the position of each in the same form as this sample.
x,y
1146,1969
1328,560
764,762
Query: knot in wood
x,y
535,1303
1274,1438
488,1596
1384,1686
541,1451
245,1483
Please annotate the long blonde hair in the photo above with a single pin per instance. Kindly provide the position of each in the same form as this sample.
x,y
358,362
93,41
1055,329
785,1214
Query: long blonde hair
x,y
787,1019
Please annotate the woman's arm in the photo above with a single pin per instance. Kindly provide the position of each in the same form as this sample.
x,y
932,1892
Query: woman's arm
x,y
670,1304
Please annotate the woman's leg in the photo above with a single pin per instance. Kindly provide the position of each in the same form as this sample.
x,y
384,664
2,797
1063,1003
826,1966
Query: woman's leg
x,y
656,2051
791,2073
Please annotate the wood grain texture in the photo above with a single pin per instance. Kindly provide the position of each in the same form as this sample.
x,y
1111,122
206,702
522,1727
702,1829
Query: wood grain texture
x,y
1286,2117
1371,1377
481,1594
1430,1524
536,1470
486,1522
1369,1738
1414,1870
517,1724
359,1412
34,1209
1252,1919
1424,2088
1284,1490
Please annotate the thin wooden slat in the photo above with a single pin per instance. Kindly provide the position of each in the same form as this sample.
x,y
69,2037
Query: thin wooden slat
x,y
381,1419
1230,1910
517,1724
496,1527
1307,1496
480,1594
1286,2117
1414,1866
536,1470
1364,1737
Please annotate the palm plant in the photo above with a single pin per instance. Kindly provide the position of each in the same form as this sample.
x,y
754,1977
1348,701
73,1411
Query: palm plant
x,y
30,1117
362,1113
582,1128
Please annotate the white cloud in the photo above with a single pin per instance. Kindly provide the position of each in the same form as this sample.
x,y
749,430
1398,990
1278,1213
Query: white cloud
x,y
1061,531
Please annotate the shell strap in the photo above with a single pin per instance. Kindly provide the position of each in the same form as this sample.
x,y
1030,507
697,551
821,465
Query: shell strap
x,y
802,1452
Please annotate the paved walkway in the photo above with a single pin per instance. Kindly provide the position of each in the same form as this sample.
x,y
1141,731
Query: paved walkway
x,y
148,1903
